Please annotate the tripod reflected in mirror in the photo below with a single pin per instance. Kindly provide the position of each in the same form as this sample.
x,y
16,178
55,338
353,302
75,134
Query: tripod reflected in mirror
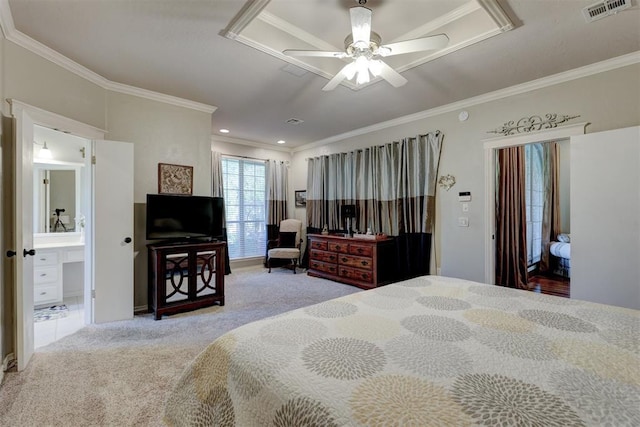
x,y
58,224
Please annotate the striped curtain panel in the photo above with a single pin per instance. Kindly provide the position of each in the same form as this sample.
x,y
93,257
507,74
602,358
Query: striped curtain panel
x,y
218,191
277,186
393,189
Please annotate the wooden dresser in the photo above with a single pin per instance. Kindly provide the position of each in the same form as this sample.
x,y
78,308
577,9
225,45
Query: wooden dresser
x,y
359,262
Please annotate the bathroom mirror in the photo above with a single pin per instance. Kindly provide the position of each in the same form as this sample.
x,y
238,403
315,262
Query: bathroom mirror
x,y
56,192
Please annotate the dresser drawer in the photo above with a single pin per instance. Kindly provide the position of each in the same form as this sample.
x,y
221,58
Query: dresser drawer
x,y
339,247
323,266
362,250
318,245
45,258
45,275
356,274
73,255
356,261
45,294
324,256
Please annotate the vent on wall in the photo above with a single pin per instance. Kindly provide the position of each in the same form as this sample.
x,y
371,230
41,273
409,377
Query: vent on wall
x,y
605,8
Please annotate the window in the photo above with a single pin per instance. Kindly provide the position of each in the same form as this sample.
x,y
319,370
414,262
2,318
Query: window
x,y
534,185
245,208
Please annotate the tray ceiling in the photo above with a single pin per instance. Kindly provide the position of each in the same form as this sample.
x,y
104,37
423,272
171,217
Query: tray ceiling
x,y
273,26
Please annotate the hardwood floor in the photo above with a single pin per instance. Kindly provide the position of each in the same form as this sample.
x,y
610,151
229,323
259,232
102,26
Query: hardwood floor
x,y
550,285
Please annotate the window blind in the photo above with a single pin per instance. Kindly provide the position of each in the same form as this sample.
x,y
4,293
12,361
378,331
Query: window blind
x,y
245,207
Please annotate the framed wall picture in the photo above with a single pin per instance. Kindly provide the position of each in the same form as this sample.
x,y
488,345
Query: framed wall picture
x,y
175,179
301,198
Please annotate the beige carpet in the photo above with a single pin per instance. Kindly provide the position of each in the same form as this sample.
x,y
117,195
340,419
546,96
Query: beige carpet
x,y
118,374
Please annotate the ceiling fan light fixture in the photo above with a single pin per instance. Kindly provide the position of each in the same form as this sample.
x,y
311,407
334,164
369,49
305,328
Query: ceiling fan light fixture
x,y
362,67
383,51
375,66
350,71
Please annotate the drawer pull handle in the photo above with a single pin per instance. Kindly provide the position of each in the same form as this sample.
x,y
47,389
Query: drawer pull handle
x,y
332,258
43,259
359,250
364,276
43,293
338,247
364,263
344,259
344,271
43,274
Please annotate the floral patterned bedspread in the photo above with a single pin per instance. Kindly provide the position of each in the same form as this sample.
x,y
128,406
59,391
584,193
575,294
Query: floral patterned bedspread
x,y
427,351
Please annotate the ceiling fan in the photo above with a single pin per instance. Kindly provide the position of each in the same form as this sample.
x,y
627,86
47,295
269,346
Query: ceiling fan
x,y
365,48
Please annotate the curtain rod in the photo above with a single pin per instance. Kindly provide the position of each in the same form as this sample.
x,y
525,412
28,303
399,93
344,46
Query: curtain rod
x,y
252,158
435,132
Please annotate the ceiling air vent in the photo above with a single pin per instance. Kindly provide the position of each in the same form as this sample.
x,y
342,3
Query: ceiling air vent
x,y
294,121
605,8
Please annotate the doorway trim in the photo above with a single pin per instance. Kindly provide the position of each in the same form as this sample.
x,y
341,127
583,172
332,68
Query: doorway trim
x,y
490,146
38,116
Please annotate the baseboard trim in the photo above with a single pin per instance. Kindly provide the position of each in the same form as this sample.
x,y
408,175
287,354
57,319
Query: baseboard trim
x,y
141,309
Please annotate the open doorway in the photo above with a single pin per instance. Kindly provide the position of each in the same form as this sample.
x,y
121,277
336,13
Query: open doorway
x,y
60,208
491,147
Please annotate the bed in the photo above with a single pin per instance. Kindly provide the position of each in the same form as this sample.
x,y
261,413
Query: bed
x,y
426,351
561,250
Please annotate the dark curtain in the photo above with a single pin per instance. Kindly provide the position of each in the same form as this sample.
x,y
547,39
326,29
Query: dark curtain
x,y
511,219
551,210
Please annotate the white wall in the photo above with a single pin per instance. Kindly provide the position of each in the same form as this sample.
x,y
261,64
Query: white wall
x,y
608,100
605,199
160,133
35,81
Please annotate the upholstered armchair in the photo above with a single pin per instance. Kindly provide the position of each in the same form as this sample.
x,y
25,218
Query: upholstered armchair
x,y
287,245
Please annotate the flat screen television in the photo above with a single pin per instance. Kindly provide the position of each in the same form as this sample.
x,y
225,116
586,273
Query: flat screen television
x,y
182,217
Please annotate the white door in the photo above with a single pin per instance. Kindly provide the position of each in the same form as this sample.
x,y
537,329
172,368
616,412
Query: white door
x,y
112,231
23,238
605,217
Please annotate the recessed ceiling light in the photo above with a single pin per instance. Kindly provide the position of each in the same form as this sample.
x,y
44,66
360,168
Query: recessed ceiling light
x,y
224,130
282,141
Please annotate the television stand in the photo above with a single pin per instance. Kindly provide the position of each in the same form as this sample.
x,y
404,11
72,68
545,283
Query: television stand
x,y
185,276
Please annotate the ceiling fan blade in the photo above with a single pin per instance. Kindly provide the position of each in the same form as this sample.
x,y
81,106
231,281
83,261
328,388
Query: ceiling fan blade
x,y
338,78
425,43
319,53
391,75
361,25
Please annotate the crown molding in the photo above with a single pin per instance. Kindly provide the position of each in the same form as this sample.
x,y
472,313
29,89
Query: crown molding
x,y
13,35
160,97
261,145
566,76
492,7
247,14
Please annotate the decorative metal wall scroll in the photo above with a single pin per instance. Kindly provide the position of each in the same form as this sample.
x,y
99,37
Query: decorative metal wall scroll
x,y
447,181
532,123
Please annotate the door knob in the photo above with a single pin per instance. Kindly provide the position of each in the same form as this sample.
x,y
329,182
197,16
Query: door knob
x,y
31,252
127,239
11,253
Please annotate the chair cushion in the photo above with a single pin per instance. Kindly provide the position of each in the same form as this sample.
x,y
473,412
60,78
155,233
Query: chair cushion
x,y
287,253
287,239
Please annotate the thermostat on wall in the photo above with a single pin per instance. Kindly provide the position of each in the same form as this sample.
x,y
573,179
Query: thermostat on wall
x,y
464,196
